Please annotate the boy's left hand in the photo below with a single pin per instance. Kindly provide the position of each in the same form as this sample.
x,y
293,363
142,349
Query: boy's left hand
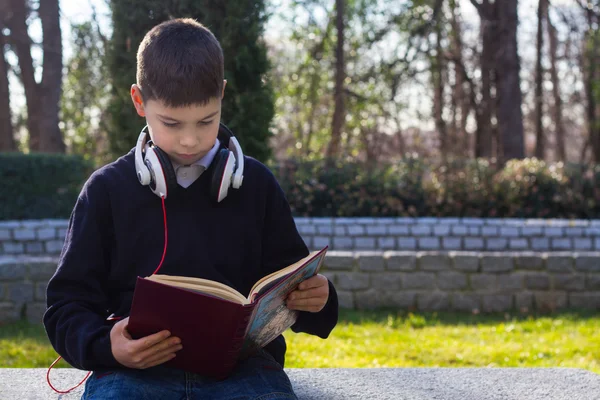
x,y
311,295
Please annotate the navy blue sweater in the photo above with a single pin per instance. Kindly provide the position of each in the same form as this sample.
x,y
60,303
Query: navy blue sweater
x,y
116,234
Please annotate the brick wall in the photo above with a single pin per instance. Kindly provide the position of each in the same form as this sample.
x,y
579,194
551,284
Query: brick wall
x,y
46,237
471,234
428,281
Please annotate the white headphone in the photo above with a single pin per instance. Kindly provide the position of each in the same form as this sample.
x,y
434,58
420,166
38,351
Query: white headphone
x,y
154,168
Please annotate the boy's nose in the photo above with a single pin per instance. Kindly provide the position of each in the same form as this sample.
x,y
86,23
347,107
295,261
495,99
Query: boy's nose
x,y
188,140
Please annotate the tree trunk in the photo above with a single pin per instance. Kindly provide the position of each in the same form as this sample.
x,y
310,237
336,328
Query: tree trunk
x,y
437,73
22,44
7,140
339,112
483,140
50,86
510,115
591,55
461,104
539,82
558,105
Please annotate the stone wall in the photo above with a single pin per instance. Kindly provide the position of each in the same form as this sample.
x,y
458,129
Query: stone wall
x,y
470,234
23,282
426,281
46,237
465,281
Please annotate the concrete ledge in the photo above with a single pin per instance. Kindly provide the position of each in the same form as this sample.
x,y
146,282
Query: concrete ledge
x,y
375,384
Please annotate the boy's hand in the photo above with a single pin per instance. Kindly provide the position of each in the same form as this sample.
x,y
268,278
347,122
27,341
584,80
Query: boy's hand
x,y
145,352
311,295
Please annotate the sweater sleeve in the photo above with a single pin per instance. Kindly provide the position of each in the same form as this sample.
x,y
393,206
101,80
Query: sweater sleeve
x,y
282,246
77,294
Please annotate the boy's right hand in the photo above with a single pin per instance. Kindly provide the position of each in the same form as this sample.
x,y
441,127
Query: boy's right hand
x,y
145,352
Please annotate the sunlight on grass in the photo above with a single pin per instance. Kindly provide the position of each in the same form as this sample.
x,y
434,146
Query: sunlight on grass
x,y
400,339
451,340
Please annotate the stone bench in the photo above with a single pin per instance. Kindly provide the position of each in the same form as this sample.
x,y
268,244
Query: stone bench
x,y
373,384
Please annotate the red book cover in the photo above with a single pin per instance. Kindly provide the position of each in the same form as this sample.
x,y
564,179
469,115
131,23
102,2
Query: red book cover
x,y
211,329
215,332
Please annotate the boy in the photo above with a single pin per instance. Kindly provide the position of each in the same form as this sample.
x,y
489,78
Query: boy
x,y
118,232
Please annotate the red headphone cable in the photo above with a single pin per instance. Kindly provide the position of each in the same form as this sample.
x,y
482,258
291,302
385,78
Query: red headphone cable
x,y
112,317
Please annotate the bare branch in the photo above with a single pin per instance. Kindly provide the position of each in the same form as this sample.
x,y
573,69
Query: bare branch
x,y
102,37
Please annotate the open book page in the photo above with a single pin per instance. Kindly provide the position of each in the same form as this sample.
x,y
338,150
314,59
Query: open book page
x,y
271,316
201,285
270,280
226,292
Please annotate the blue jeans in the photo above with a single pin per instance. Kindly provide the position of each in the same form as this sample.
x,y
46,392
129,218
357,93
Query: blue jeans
x,y
257,378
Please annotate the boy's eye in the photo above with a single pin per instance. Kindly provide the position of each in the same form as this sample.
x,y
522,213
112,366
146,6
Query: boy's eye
x,y
170,125
206,122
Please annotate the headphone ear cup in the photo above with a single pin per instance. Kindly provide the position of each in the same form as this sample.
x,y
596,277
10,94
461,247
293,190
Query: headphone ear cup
x,y
167,167
219,163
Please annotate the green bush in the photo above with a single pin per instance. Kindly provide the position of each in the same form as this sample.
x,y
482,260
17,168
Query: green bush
x,y
527,188
319,188
462,188
530,188
37,186
582,195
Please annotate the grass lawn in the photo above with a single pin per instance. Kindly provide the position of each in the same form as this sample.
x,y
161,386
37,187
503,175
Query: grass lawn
x,y
400,339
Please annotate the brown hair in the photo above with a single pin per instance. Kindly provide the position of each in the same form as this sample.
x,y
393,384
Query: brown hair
x,y
180,63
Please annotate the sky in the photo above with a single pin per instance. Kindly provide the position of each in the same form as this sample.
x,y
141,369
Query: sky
x,y
73,11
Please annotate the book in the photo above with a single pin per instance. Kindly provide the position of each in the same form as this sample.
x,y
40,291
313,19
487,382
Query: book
x,y
217,324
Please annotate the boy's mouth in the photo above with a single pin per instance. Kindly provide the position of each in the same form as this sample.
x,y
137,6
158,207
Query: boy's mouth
x,y
187,156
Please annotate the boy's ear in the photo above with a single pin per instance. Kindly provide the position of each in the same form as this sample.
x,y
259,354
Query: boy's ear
x,y
136,97
224,84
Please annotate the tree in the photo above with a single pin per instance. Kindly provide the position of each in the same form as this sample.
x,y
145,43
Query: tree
x,y
508,83
556,93
238,25
462,101
339,112
591,75
42,98
486,110
539,81
85,93
438,75
7,141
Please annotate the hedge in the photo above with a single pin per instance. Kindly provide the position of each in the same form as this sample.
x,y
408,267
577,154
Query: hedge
x,y
37,186
413,187
40,186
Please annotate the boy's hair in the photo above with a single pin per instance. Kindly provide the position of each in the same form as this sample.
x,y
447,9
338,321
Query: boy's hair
x,y
180,63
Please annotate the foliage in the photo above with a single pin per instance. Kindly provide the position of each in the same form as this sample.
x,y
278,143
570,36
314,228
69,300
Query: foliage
x,y
398,339
84,95
530,188
38,185
526,188
319,188
462,188
238,25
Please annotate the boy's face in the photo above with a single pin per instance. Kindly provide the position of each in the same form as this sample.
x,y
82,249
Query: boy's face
x,y
186,134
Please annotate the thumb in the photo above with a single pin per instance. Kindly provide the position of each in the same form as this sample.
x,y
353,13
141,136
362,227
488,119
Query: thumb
x,y
125,332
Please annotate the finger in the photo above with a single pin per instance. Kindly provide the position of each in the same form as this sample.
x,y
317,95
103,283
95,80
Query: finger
x,y
147,342
313,282
170,345
305,294
121,325
313,309
157,360
160,355
310,302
